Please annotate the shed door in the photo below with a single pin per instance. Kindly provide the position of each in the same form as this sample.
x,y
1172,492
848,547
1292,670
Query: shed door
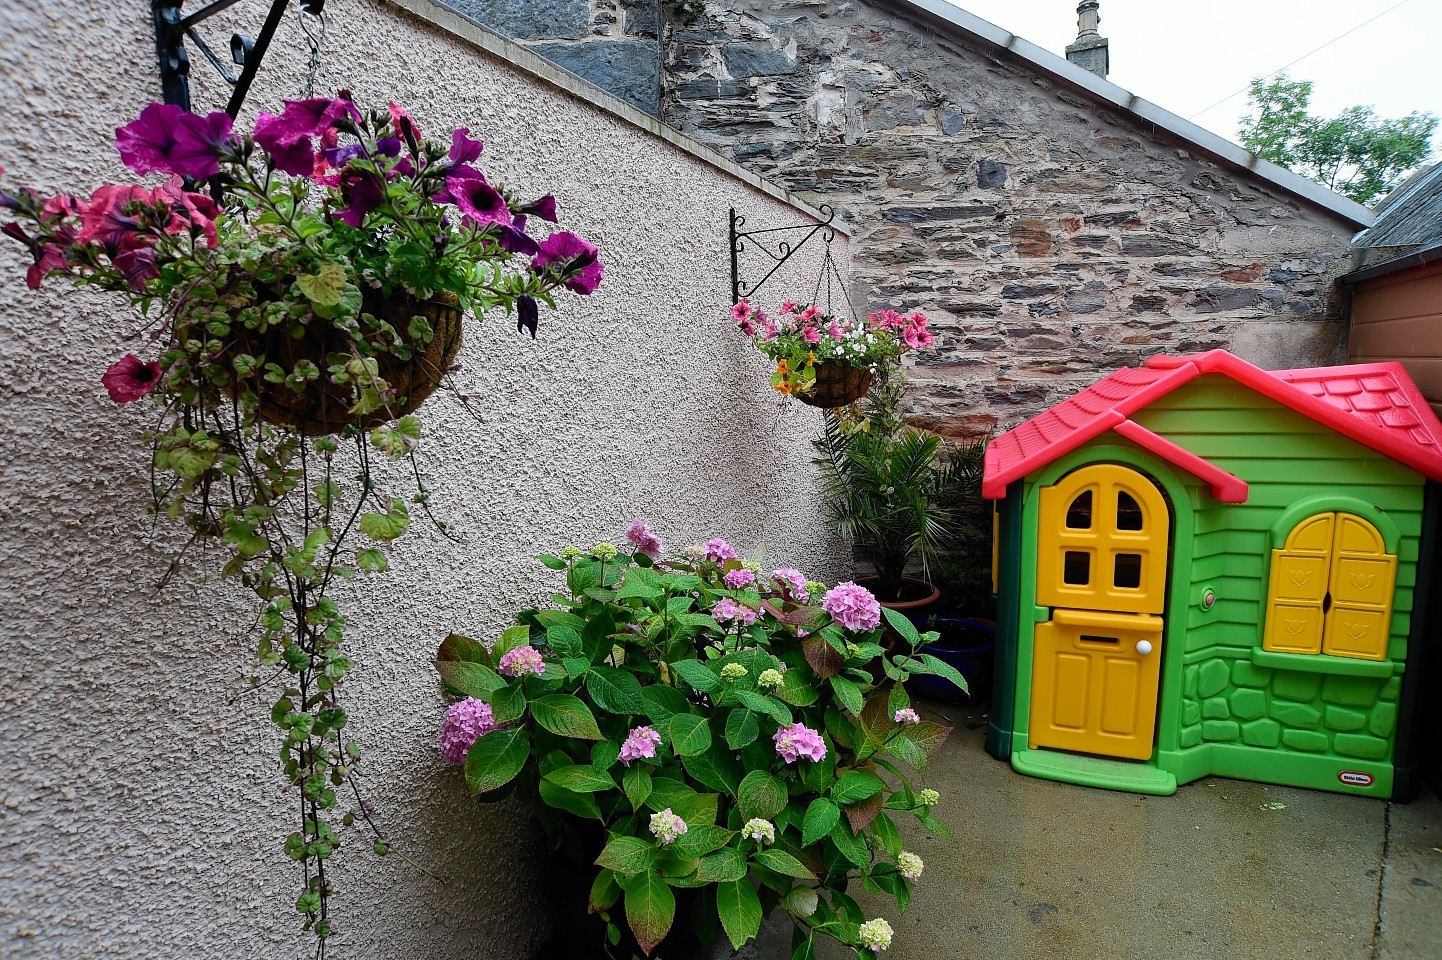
x,y
1102,568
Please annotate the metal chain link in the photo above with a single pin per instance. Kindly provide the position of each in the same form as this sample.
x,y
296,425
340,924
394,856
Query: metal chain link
x,y
315,71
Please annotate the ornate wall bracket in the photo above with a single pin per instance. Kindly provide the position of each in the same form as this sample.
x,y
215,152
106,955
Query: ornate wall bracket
x,y
173,27
783,249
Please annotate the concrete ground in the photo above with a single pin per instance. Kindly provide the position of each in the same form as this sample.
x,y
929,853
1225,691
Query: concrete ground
x,y
1223,869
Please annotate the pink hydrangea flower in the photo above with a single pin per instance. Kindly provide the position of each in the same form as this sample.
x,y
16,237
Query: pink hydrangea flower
x,y
667,826
640,745
727,609
520,660
719,551
794,581
644,540
797,741
906,715
738,578
465,723
852,606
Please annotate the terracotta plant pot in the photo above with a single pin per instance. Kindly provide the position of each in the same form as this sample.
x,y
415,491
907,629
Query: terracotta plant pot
x,y
837,384
323,407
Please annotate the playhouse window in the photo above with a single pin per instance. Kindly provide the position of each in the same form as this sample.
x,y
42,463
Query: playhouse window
x,y
1330,589
1079,514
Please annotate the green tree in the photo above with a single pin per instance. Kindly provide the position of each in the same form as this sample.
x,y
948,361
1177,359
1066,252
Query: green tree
x,y
1356,153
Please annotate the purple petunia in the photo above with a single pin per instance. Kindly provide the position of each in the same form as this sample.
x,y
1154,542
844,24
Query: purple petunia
x,y
575,258
797,741
478,201
852,606
170,139
463,148
287,136
465,723
544,208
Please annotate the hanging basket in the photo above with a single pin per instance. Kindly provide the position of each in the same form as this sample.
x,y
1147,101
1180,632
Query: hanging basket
x,y
322,407
837,384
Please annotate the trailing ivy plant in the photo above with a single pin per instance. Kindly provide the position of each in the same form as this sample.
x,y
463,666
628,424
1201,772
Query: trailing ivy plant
x,y
294,333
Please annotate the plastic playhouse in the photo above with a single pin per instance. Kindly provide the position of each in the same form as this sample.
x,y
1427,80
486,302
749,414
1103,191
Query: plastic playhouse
x,y
1208,568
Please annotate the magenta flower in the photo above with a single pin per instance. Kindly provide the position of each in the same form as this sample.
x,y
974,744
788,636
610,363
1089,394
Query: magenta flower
x,y
576,258
521,660
112,216
463,148
131,378
741,311
719,551
641,744
810,334
170,139
852,606
198,210
727,609
544,208
797,741
793,582
405,127
787,307
287,137
362,191
906,715
644,540
465,723
139,266
738,578
48,258
478,201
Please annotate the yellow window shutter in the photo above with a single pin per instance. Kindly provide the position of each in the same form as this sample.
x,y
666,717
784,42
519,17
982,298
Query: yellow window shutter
x,y
1298,587
1363,582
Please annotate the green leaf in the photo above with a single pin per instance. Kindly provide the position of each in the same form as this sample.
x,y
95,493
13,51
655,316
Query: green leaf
x,y
700,839
553,563
385,527
761,795
565,641
884,830
690,735
581,779
566,716
371,560
615,691
770,706
604,892
470,679
821,818
740,911
495,759
325,287
511,638
902,625
722,866
741,728
853,786
713,769
946,671
795,690
916,742
779,861
663,702
698,675
847,694
458,647
637,785
508,704
581,804
627,856
650,908
852,847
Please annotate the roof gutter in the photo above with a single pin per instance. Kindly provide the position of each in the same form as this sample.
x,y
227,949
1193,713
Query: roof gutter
x,y
1416,258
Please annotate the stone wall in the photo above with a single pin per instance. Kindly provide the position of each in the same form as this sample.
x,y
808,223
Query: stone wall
x,y
142,811
612,43
1050,236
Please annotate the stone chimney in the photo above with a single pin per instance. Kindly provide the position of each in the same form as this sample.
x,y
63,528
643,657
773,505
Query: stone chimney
x,y
1090,51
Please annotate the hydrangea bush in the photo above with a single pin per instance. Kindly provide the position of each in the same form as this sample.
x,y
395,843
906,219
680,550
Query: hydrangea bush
x,y
744,737
798,338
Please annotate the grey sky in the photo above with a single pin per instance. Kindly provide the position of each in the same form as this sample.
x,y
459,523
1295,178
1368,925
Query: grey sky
x,y
1185,55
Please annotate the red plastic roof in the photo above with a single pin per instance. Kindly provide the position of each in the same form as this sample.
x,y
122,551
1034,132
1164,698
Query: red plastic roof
x,y
1376,404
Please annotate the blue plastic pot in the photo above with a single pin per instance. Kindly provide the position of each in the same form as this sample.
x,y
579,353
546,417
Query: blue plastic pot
x,y
966,644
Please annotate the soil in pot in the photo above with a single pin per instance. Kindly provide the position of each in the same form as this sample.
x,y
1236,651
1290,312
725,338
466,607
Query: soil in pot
x,y
968,645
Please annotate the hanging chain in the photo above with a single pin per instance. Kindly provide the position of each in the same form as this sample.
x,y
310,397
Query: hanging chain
x,y
314,35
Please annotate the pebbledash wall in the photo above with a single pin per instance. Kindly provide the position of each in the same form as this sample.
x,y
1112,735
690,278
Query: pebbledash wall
x,y
1052,225
141,812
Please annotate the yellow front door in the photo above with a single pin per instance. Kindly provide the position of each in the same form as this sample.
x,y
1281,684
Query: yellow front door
x,y
1102,568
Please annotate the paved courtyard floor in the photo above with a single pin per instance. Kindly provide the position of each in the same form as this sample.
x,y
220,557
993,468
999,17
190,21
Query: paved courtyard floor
x,y
1223,870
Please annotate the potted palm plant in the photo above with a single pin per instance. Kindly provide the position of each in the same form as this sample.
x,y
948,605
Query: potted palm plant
x,y
887,485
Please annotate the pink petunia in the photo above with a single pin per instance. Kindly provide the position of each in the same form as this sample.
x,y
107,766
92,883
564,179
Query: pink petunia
x,y
741,311
131,378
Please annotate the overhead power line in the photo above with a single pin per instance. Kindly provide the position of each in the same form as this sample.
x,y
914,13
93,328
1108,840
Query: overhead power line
x,y
1300,59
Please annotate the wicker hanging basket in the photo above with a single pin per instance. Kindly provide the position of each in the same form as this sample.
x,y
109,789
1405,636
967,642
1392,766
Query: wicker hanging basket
x,y
322,407
837,384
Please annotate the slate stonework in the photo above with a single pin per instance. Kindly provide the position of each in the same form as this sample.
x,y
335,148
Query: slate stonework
x,y
1050,237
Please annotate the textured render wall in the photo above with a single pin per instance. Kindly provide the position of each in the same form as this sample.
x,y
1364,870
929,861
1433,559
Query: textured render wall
x,y
1052,239
140,805
612,43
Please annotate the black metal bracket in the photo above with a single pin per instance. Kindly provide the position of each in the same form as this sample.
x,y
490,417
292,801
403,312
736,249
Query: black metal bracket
x,y
172,27
782,253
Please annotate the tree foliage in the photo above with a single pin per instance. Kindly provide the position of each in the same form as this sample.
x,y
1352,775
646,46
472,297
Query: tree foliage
x,y
1356,153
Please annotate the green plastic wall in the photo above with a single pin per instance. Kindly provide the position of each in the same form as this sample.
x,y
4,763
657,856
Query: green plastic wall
x,y
1226,708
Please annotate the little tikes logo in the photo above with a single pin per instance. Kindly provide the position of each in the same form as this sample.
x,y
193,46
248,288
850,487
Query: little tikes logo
x,y
1355,778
